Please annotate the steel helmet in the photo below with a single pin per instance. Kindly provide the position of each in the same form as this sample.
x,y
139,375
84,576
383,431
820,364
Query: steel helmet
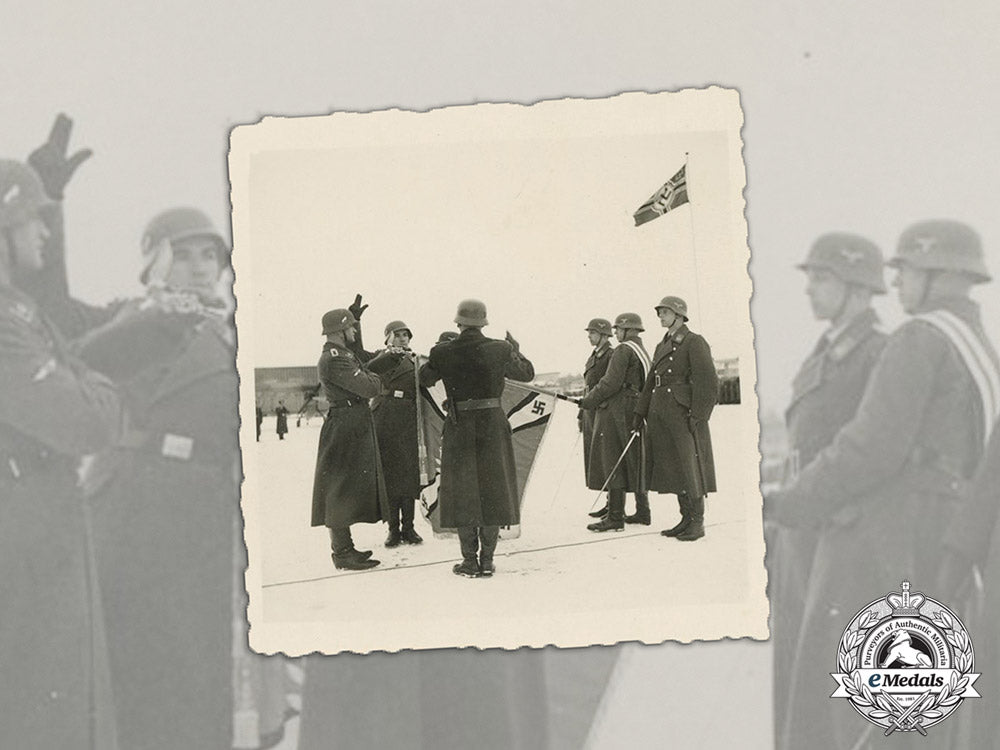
x,y
447,336
21,193
337,320
397,325
676,304
174,225
629,320
942,245
851,258
599,325
471,312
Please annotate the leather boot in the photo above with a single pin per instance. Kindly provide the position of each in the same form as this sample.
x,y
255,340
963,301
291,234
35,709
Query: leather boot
x,y
409,534
488,536
600,513
696,528
345,557
684,503
616,513
395,538
642,514
468,538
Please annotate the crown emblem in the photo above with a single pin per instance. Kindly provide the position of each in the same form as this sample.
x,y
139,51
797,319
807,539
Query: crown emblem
x,y
905,604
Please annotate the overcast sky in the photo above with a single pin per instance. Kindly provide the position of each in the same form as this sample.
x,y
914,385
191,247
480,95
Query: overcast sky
x,y
858,116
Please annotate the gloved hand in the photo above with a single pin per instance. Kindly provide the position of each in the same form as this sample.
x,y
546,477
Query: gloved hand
x,y
638,421
357,308
513,342
579,420
50,160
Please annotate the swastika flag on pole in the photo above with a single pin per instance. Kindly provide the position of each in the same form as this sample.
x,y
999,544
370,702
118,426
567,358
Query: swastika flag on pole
x,y
673,194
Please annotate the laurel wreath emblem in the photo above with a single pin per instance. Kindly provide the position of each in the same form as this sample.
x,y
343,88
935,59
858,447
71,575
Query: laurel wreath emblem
x,y
879,707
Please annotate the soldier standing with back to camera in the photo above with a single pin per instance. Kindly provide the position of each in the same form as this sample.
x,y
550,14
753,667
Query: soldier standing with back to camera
x,y
478,474
613,401
53,411
599,334
349,486
883,493
844,272
677,401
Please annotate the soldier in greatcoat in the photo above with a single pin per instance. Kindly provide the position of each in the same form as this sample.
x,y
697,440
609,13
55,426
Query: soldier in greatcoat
x,y
613,401
53,411
165,496
478,474
349,486
844,272
599,334
395,412
677,400
883,493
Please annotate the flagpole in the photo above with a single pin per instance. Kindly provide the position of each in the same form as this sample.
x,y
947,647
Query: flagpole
x,y
694,249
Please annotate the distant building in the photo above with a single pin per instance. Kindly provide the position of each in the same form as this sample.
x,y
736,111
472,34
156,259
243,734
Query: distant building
x,y
293,385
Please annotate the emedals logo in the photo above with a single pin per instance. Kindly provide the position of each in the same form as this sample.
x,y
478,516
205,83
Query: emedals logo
x,y
906,662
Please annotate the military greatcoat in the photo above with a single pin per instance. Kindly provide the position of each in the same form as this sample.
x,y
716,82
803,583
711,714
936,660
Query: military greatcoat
x,y
613,401
825,396
677,400
478,472
52,411
164,524
593,371
395,413
349,486
882,493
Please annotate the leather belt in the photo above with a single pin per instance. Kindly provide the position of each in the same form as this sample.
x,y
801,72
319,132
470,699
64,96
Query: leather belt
x,y
477,403
345,402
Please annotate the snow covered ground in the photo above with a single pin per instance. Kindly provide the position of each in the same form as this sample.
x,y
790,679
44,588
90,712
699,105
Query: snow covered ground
x,y
556,583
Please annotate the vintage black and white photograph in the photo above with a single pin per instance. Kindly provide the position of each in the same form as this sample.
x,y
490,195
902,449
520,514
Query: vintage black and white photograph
x,y
502,367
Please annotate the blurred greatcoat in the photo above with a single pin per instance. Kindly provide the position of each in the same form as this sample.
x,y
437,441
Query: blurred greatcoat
x,y
52,411
677,400
612,402
478,472
593,371
164,522
882,494
349,486
825,396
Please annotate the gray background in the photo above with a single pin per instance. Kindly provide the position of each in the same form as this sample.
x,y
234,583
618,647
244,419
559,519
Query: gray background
x,y
857,117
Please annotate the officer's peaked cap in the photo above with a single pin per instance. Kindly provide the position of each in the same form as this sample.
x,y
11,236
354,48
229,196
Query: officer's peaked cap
x,y
850,257
942,245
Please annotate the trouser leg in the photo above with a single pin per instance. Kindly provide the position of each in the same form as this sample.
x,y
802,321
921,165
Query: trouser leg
x,y
395,538
468,538
340,540
488,536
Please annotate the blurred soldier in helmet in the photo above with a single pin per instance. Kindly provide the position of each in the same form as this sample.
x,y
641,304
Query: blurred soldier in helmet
x,y
613,400
395,413
843,272
53,411
599,334
165,497
349,486
894,474
677,400
478,491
